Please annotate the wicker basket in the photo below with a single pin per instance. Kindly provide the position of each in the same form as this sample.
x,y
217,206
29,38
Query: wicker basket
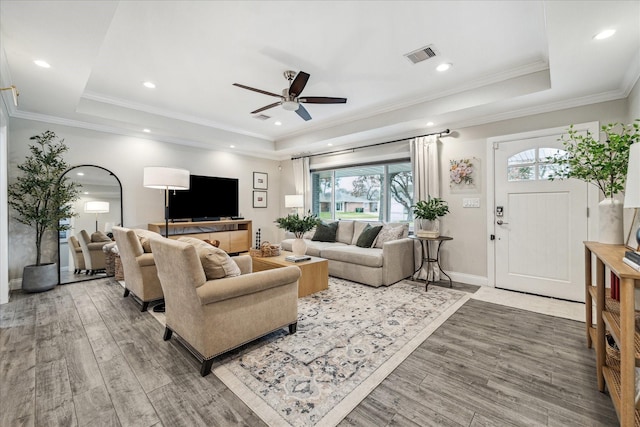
x,y
119,272
266,250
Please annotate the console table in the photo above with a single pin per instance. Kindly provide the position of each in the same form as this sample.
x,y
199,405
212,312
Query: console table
x,y
618,317
234,235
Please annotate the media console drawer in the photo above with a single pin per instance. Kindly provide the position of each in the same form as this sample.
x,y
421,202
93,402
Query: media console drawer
x,y
234,235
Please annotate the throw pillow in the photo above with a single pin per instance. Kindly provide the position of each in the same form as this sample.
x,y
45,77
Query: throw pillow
x,y
216,263
388,234
325,232
145,237
99,236
368,235
359,226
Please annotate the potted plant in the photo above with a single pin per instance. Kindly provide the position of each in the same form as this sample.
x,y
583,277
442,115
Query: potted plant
x,y
298,226
41,197
602,163
427,214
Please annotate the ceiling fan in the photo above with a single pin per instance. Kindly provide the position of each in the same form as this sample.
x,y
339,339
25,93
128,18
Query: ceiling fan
x,y
291,99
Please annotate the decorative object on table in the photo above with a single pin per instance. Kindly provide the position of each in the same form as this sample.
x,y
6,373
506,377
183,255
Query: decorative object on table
x,y
427,214
463,174
260,181
257,239
163,178
214,242
603,164
632,196
96,207
266,250
259,199
293,223
41,198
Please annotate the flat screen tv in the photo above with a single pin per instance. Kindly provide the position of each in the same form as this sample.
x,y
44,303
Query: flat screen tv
x,y
208,198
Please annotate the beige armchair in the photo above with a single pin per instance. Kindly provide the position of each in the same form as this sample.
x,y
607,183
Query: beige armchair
x,y
139,267
94,258
78,257
215,316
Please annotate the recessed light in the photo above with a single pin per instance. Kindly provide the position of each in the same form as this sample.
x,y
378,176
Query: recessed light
x,y
149,85
443,67
429,123
604,34
232,146
278,123
146,130
41,63
330,144
86,192
80,174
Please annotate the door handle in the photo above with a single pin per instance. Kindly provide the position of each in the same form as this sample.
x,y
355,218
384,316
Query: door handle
x,y
501,222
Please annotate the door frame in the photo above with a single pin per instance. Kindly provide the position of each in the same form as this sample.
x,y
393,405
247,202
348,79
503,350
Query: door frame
x,y
592,191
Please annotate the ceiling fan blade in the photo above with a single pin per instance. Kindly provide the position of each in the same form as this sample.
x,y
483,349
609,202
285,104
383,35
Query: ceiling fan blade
x,y
298,84
302,112
275,104
322,100
257,90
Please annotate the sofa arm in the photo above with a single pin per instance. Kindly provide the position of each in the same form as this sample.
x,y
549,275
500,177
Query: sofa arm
x,y
96,246
244,262
397,259
231,287
145,260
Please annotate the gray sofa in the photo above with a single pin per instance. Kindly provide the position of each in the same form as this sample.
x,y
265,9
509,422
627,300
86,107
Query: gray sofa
x,y
375,266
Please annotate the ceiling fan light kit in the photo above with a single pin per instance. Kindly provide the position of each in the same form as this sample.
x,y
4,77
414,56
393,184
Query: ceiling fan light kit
x,y
290,99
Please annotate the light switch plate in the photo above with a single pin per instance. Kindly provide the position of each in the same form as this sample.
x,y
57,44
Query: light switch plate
x,y
471,202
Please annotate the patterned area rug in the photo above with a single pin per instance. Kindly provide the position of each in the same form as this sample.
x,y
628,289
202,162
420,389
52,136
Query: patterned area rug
x,y
350,337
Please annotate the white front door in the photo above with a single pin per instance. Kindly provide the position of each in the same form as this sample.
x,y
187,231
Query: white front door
x,y
539,224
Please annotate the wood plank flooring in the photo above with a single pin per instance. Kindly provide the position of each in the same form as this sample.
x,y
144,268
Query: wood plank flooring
x,y
82,355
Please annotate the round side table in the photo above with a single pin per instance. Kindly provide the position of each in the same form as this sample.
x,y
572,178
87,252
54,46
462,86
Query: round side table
x,y
428,259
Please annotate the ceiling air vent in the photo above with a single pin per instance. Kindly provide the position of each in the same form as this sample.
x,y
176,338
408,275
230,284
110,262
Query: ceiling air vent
x,y
421,54
261,117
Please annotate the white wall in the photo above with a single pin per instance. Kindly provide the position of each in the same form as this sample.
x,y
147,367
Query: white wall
x,y
126,157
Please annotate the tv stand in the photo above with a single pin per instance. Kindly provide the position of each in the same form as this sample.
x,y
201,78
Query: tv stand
x,y
234,235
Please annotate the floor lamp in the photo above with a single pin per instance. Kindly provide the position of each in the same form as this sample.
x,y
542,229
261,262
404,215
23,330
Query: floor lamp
x,y
166,179
632,191
96,207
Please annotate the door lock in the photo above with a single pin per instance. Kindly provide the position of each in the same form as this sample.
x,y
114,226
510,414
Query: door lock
x,y
501,222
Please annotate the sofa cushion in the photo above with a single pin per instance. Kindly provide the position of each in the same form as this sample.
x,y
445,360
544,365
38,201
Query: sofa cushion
x,y
99,236
216,263
370,257
345,232
389,233
325,232
368,236
314,248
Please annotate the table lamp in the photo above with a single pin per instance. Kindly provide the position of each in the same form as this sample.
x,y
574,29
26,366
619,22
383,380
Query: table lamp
x,y
166,179
632,191
96,207
294,201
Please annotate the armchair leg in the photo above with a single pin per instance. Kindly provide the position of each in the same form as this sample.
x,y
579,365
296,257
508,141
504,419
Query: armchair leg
x,y
126,293
167,333
205,369
293,328
145,305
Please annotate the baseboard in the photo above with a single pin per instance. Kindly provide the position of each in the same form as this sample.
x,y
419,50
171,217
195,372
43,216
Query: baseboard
x,y
15,284
469,279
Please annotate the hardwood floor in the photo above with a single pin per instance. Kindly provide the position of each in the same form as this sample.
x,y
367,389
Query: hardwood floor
x,y
83,355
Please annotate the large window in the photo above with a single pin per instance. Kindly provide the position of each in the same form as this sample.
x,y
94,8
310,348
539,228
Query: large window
x,y
381,192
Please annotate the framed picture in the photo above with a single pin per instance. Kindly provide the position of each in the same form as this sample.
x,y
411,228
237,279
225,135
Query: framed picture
x,y
260,180
259,199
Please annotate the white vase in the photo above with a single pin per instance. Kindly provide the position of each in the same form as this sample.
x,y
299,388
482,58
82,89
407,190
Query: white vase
x,y
298,247
427,228
610,228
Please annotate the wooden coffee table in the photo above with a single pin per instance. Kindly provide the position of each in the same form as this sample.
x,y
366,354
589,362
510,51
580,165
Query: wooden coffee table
x,y
315,272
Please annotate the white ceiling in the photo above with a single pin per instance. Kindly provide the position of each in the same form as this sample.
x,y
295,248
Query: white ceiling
x,y
510,58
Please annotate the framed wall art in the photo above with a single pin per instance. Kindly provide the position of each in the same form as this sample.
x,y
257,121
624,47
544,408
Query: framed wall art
x,y
260,180
259,199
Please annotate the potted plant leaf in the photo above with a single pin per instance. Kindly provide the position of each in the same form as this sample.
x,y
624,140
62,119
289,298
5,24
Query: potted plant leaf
x,y
428,213
40,198
602,163
293,223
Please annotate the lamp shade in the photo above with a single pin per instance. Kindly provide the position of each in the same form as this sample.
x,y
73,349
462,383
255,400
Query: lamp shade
x,y
294,201
96,207
632,190
166,178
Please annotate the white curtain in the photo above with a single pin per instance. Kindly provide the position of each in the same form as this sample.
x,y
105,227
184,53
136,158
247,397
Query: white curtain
x,y
425,166
302,181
